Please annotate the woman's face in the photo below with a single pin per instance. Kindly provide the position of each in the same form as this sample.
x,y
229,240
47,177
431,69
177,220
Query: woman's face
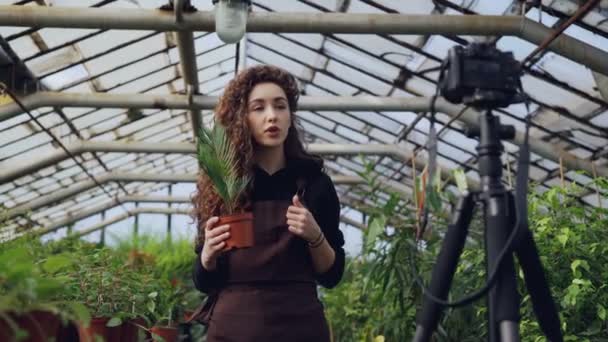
x,y
268,114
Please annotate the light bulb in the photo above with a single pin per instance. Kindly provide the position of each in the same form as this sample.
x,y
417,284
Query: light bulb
x,y
231,20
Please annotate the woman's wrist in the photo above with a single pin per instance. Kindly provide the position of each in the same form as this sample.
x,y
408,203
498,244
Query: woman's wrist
x,y
209,265
317,241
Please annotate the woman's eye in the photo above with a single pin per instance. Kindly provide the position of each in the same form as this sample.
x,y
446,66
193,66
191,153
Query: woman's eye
x,y
257,109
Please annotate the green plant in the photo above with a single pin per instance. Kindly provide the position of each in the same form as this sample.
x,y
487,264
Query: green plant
x,y
172,258
171,264
104,282
570,238
217,159
29,282
163,309
378,297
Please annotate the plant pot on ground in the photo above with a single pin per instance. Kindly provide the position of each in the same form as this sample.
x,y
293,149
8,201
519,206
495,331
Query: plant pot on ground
x,y
114,289
168,334
217,158
29,287
38,326
165,310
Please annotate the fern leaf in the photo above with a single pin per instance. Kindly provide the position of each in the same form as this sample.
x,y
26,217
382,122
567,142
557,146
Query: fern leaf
x,y
217,159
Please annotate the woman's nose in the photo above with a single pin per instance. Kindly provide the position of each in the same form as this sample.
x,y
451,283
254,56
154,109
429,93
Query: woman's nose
x,y
271,114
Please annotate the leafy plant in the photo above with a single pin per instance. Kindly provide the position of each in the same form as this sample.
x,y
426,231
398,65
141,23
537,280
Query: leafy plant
x,y
217,159
29,283
378,298
105,283
570,239
163,308
171,264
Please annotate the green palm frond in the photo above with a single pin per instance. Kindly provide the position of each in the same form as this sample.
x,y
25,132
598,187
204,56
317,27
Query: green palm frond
x,y
217,159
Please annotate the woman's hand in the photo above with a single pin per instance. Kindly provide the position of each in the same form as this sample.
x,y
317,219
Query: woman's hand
x,y
214,243
301,222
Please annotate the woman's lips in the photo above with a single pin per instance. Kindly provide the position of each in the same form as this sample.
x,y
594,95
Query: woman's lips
x,y
272,130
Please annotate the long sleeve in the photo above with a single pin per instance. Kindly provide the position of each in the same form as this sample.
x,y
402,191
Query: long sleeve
x,y
204,280
328,218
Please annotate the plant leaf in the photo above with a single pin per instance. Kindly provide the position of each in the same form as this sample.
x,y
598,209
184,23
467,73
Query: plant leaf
x,y
81,312
375,228
218,160
56,263
601,312
461,180
114,322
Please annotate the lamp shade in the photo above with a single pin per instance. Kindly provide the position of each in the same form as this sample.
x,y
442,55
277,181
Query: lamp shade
x,y
231,20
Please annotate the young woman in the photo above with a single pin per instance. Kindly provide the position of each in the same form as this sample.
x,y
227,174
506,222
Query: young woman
x,y
268,292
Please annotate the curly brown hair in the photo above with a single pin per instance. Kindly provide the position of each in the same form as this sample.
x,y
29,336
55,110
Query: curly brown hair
x,y
231,112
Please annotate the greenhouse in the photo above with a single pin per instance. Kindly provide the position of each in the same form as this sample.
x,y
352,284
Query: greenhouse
x,y
419,111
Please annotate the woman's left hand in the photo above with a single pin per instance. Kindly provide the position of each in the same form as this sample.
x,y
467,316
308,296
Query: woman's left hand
x,y
301,222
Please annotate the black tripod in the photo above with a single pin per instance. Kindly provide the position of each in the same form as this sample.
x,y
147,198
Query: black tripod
x,y
499,210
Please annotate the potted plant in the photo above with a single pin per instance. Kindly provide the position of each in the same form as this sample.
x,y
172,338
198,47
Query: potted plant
x,y
114,292
217,159
29,283
163,311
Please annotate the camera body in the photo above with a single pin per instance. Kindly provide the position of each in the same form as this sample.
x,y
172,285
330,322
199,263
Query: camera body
x,y
482,76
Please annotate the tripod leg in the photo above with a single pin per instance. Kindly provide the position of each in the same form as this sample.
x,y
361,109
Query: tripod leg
x,y
536,283
444,269
503,301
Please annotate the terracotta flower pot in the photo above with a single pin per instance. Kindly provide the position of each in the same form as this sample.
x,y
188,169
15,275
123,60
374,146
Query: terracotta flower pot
x,y
39,325
187,315
130,330
241,230
169,334
98,327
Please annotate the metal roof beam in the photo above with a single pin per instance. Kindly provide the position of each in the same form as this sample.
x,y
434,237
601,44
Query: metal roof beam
x,y
346,103
357,23
166,211
137,177
148,199
187,57
79,147
124,216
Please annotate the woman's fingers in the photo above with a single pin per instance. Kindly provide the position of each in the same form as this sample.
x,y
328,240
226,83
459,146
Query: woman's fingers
x,y
211,222
294,223
296,217
295,230
216,231
292,209
220,246
219,239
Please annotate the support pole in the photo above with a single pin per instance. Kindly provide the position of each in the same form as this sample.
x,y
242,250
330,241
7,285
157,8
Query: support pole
x,y
335,23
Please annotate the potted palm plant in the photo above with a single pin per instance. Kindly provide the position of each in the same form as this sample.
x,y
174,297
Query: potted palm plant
x,y
217,159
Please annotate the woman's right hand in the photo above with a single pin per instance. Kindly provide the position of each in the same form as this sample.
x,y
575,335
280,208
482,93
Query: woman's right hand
x,y
214,242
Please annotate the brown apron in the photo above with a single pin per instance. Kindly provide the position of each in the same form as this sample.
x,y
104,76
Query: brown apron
x,y
271,293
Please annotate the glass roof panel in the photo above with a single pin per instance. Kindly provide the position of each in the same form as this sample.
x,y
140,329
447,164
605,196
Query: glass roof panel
x,y
131,62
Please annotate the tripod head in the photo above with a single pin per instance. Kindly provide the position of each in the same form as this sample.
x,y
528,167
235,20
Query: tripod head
x,y
485,78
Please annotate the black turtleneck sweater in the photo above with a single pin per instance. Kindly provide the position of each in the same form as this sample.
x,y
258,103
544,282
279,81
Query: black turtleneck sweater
x,y
321,200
